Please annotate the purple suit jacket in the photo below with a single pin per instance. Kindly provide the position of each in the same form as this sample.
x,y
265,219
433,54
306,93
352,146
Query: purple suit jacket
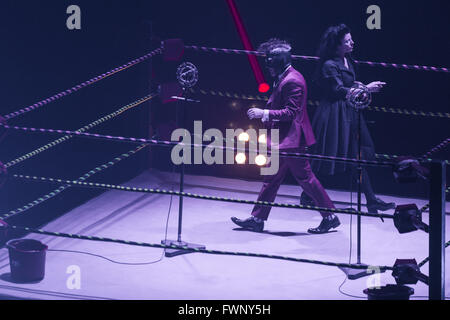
x,y
287,111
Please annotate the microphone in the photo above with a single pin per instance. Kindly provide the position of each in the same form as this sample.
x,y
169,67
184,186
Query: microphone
x,y
184,99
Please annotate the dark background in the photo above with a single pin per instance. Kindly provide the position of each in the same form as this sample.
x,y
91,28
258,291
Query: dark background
x,y
42,57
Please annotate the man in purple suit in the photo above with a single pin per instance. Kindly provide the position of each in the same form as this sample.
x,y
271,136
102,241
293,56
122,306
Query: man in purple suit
x,y
286,111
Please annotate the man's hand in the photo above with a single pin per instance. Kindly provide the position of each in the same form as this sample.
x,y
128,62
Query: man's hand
x,y
255,113
375,86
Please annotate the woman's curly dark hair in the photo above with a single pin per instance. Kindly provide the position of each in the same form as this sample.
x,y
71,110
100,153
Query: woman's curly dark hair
x,y
330,41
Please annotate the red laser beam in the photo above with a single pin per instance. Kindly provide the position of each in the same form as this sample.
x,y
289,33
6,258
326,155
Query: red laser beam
x,y
262,85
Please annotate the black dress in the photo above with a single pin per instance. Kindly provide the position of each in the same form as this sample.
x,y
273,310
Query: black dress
x,y
335,122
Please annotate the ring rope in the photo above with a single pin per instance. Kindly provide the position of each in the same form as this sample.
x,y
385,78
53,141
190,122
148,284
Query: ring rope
x,y
207,251
378,156
427,206
394,157
421,264
299,57
229,94
196,196
437,148
84,177
173,143
85,128
82,85
429,153
316,103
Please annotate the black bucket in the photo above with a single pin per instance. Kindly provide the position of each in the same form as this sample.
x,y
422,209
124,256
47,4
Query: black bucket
x,y
389,292
27,259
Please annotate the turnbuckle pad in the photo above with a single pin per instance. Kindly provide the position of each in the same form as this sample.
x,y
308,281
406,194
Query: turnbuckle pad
x,y
409,170
406,271
408,218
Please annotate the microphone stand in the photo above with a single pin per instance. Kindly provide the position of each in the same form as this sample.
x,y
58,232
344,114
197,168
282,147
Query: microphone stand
x,y
352,273
180,119
358,223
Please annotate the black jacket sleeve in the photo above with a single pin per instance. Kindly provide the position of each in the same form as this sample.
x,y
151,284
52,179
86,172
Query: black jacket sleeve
x,y
332,81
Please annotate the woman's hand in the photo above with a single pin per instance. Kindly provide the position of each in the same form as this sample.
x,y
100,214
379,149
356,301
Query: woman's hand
x,y
375,86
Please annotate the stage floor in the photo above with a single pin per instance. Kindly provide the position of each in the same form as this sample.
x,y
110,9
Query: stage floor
x,y
142,217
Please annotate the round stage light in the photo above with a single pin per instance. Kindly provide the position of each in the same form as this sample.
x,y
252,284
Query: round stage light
x,y
260,160
240,158
262,138
244,136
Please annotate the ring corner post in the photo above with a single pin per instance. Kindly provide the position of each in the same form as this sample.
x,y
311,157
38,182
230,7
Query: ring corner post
x,y
149,115
437,231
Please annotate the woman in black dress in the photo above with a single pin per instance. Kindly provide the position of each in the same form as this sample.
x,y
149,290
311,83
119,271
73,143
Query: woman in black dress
x,y
335,121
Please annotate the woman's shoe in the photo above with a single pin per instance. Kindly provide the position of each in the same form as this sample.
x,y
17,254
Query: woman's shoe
x,y
377,204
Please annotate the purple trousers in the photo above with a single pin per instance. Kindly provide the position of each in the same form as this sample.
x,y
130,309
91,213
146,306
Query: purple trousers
x,y
301,170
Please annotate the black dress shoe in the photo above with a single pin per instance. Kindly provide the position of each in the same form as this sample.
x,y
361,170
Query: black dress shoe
x,y
306,200
249,224
377,204
325,226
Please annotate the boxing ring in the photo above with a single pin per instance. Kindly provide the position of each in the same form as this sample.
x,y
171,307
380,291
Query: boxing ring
x,y
115,238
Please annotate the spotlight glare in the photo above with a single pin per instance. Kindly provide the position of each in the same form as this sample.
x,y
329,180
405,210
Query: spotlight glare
x,y
244,136
240,158
262,138
260,160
